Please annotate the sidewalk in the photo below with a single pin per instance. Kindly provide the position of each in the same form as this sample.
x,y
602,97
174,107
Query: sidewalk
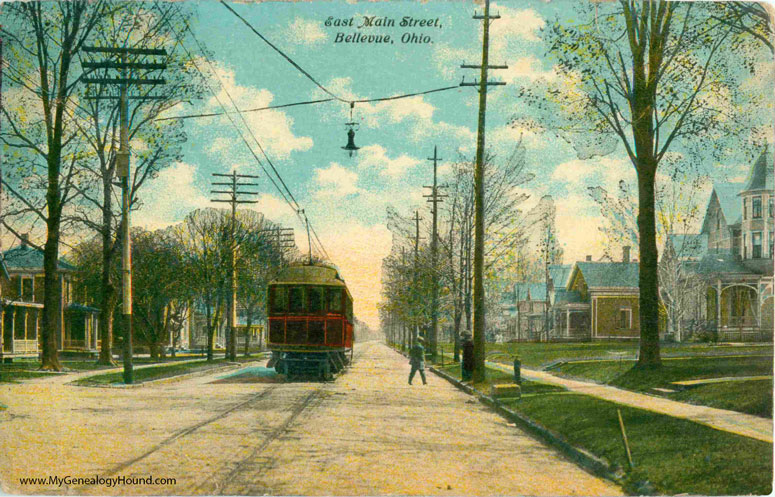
x,y
730,421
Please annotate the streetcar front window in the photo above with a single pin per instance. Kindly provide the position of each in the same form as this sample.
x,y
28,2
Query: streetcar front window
x,y
279,299
296,299
335,300
315,300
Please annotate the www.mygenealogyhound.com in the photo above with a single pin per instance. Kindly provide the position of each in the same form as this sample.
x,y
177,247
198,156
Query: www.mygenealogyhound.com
x,y
111,481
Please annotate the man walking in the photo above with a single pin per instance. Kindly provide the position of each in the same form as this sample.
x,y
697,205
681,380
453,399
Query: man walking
x,y
467,366
417,360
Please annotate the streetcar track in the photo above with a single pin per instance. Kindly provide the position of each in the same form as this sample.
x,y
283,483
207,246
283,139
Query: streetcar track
x,y
187,431
298,409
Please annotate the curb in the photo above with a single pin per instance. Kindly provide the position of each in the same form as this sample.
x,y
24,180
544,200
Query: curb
x,y
585,459
168,379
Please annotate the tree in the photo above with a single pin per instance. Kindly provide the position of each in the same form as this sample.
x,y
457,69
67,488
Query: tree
x,y
204,236
646,75
42,41
161,290
156,143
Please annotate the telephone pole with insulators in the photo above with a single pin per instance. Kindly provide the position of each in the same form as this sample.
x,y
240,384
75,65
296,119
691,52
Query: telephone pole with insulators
x,y
479,303
128,62
434,198
233,193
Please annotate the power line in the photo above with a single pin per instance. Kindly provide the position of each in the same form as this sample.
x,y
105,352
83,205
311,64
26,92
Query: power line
x,y
258,109
316,82
291,203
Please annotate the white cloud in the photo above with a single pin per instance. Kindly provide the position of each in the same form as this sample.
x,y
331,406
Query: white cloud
x,y
573,171
336,181
170,197
520,24
272,128
306,32
376,157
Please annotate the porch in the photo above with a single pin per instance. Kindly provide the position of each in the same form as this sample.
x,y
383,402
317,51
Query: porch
x,y
20,322
740,310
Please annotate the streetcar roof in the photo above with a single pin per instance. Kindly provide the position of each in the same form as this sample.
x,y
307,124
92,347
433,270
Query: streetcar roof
x,y
310,275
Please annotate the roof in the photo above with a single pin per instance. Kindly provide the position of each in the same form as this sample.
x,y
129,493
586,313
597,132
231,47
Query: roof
x,y
731,206
316,274
26,257
563,296
689,246
610,274
760,177
559,274
535,291
720,262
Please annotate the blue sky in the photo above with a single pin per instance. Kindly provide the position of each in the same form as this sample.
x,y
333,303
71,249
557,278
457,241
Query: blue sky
x,y
345,198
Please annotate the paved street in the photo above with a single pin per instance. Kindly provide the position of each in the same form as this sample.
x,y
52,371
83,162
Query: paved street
x,y
367,433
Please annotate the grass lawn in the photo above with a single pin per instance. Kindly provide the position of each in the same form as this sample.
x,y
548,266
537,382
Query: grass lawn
x,y
675,455
751,397
535,355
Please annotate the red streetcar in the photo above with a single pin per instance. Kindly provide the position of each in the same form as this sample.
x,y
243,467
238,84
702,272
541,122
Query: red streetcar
x,y
310,313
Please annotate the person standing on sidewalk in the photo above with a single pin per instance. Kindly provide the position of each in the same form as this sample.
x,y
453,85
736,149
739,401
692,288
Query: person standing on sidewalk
x,y
467,366
417,360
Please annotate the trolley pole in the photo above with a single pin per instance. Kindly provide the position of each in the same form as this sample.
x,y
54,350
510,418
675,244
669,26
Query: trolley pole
x,y
479,303
434,198
124,66
234,193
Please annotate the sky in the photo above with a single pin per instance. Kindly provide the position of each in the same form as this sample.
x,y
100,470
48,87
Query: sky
x,y
345,197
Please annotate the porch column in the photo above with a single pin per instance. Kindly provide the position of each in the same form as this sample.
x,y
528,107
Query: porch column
x,y
37,325
13,329
26,313
567,322
2,329
718,303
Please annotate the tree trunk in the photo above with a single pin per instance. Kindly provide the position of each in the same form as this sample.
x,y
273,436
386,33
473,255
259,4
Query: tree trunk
x,y
649,297
52,292
108,290
247,332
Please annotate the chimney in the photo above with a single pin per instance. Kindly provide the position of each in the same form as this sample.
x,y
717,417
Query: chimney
x,y
589,258
626,253
25,240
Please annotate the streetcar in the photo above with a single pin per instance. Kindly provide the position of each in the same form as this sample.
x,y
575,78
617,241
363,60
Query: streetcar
x,y
310,314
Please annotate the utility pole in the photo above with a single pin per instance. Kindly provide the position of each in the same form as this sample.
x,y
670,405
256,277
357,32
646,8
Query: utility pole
x,y
233,193
416,299
479,303
403,321
435,198
118,58
283,240
549,250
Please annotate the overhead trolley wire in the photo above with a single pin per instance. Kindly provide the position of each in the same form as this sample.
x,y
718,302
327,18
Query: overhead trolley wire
x,y
316,82
292,203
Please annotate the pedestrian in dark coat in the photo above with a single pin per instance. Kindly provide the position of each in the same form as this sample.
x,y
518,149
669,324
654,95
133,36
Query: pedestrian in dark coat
x,y
467,366
417,361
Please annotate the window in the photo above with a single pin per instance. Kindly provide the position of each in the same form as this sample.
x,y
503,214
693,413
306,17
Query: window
x,y
718,221
334,300
296,299
771,207
26,290
745,247
772,245
745,208
756,208
315,300
625,319
756,245
279,299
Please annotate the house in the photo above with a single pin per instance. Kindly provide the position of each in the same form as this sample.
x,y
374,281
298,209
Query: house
x,y
531,311
735,270
600,300
21,313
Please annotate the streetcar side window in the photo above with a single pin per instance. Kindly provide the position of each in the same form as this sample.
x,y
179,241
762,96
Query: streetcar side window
x,y
296,299
315,300
349,309
279,299
334,300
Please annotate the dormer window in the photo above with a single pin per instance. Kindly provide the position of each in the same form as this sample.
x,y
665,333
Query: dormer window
x,y
756,208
